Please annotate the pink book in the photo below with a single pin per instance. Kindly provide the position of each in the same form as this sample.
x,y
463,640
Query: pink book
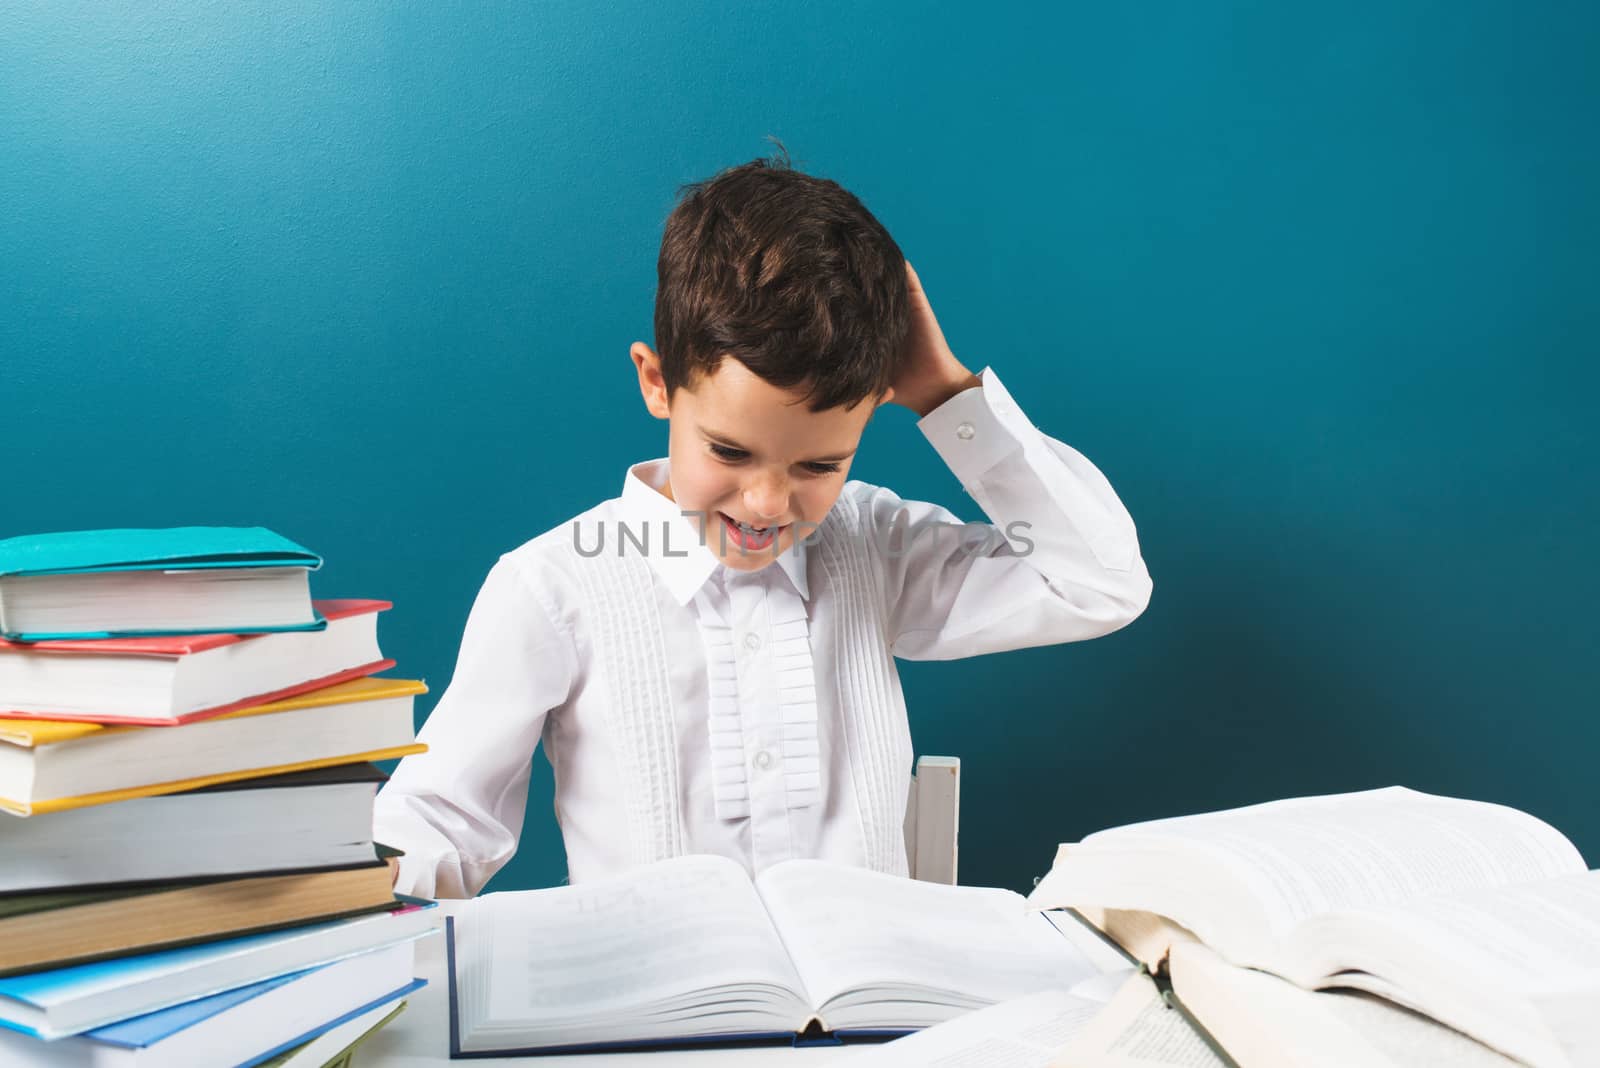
x,y
173,680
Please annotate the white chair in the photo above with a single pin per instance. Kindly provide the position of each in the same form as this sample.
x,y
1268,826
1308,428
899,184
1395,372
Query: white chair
x,y
933,818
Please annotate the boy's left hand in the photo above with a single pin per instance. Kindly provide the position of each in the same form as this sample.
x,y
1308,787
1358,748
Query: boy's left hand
x,y
929,373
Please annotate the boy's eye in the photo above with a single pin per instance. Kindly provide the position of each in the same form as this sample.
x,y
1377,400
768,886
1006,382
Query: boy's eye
x,y
728,454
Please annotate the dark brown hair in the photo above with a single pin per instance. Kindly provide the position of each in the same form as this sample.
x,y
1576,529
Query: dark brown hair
x,y
786,273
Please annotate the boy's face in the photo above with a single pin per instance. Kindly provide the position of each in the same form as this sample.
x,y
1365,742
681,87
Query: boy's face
x,y
752,464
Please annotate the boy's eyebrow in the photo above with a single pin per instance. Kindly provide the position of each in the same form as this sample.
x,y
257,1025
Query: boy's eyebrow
x,y
723,439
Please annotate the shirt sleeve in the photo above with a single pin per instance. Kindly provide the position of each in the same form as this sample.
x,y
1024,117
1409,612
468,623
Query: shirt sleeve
x,y
457,809
1058,561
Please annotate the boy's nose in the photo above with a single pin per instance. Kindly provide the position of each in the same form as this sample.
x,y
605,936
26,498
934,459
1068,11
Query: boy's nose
x,y
767,499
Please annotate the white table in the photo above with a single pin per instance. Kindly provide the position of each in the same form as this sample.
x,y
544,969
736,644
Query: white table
x,y
420,1036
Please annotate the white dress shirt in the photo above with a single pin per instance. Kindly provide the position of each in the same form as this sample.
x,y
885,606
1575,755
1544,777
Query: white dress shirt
x,y
687,707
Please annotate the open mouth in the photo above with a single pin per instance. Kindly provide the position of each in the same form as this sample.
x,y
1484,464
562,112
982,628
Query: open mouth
x,y
747,537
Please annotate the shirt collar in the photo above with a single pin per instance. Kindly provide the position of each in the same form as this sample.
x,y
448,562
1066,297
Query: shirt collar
x,y
690,563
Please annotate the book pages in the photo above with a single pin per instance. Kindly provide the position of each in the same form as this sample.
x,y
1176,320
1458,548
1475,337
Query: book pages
x,y
1532,938
853,931
1242,879
1515,966
213,599
1407,1038
566,964
1266,1022
1137,1029
1023,1033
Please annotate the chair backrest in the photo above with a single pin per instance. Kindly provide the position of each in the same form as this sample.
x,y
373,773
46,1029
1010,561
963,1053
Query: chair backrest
x,y
933,819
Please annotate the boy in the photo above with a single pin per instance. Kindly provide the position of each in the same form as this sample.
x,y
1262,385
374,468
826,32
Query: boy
x,y
708,659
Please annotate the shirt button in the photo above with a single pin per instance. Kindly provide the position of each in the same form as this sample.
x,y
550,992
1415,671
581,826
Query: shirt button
x,y
763,760
752,641
965,431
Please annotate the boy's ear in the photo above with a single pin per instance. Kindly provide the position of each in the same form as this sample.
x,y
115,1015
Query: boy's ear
x,y
888,395
652,386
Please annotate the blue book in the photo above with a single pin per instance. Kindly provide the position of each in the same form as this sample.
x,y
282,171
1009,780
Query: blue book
x,y
244,1026
70,1001
182,580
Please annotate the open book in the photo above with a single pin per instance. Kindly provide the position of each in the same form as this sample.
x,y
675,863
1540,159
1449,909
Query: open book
x,y
690,950
1477,915
1263,1021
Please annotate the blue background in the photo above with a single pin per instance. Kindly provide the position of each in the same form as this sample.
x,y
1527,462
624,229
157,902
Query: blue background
x,y
1315,287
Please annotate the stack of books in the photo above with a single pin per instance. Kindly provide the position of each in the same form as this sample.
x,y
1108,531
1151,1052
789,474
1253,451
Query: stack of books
x,y
187,870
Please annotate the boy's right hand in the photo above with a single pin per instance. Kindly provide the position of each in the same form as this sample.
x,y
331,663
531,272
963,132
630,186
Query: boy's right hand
x,y
394,870
929,373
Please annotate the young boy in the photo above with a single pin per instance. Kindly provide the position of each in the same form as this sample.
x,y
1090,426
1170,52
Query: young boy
x,y
708,659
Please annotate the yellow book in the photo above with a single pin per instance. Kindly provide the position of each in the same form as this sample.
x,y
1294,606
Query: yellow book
x,y
48,766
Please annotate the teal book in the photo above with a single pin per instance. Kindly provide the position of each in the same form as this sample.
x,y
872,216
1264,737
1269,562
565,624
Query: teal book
x,y
131,583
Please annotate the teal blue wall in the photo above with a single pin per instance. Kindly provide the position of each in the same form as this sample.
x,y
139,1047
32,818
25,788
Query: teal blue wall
x,y
1316,287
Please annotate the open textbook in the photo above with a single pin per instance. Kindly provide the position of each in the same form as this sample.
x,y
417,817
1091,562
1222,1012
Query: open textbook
x,y
690,950
1477,915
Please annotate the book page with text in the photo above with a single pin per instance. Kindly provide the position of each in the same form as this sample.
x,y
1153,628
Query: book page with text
x,y
1540,936
595,952
1276,864
1407,1038
1137,1030
1022,1033
850,930
1517,967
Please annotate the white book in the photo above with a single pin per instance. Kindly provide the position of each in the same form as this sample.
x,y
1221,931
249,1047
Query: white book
x,y
691,950
1477,915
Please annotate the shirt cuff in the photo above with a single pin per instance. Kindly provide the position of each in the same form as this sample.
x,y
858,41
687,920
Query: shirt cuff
x,y
977,428
418,869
